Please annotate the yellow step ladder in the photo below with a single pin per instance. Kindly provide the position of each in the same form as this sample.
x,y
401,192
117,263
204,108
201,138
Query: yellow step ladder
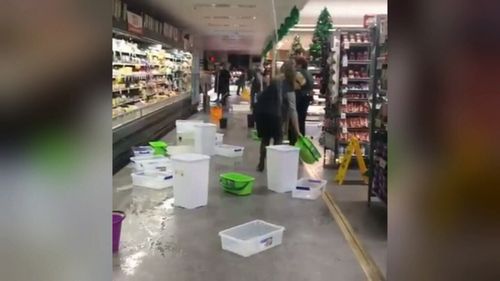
x,y
352,147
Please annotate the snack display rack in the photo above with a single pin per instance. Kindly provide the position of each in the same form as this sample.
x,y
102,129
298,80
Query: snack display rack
x,y
147,77
377,186
353,108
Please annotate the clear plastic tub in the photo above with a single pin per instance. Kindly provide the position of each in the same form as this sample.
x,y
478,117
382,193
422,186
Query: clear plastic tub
x,y
251,238
191,173
154,180
229,150
179,149
185,131
219,139
150,163
282,167
308,188
142,150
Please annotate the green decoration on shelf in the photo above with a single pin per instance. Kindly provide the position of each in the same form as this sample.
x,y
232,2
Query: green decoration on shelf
x,y
321,33
288,23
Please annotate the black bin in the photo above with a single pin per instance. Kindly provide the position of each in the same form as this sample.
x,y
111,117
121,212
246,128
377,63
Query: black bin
x,y
250,121
223,123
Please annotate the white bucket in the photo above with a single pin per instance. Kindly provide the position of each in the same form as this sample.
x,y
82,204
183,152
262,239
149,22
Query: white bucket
x,y
282,167
185,131
307,188
229,150
154,180
191,173
204,138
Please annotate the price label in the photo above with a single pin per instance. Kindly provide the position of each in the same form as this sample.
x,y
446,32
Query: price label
x,y
342,115
346,45
344,101
344,130
344,80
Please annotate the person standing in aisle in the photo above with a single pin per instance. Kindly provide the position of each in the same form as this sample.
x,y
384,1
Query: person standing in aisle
x,y
303,94
257,85
274,108
240,82
223,79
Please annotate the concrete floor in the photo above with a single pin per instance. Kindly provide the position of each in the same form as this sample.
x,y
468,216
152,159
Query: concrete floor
x,y
162,242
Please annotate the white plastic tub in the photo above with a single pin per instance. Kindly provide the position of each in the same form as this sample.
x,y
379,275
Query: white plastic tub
x,y
307,188
142,150
179,149
191,172
282,167
183,126
219,139
154,180
251,238
229,150
150,163
185,131
204,138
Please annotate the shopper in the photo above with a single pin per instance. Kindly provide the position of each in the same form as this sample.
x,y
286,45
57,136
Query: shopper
x,y
303,96
240,82
257,85
223,79
274,108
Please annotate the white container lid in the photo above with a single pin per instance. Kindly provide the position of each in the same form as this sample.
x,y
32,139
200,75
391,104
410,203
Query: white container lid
x,y
283,148
205,125
189,157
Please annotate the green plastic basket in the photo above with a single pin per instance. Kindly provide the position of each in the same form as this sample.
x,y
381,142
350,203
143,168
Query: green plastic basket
x,y
308,152
159,147
237,183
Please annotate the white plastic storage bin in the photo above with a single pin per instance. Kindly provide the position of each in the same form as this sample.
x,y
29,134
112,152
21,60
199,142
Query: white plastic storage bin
x,y
179,149
204,138
191,172
150,163
219,139
229,150
308,188
155,180
185,131
142,150
251,238
282,167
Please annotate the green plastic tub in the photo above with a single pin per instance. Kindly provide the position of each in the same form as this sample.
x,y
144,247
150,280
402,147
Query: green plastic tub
x,y
308,152
159,147
237,183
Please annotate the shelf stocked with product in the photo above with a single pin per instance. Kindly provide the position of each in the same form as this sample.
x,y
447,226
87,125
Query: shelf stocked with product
x,y
377,186
350,108
145,77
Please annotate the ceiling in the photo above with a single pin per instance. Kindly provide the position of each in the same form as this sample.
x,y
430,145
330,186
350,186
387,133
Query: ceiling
x,y
245,26
228,25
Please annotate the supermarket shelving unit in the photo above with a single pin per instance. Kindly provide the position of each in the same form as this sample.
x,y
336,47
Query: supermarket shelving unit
x,y
377,186
153,81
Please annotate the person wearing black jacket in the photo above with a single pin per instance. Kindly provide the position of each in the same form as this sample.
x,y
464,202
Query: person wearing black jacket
x,y
223,77
276,107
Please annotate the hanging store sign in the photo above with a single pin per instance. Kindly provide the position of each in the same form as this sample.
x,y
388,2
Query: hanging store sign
x,y
134,22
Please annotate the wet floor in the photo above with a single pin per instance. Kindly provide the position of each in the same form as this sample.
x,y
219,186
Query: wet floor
x,y
163,242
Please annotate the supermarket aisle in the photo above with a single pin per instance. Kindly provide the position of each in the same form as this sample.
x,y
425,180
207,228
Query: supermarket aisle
x,y
162,242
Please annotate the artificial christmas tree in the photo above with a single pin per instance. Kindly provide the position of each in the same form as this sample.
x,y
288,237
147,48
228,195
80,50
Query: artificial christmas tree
x,y
296,47
321,34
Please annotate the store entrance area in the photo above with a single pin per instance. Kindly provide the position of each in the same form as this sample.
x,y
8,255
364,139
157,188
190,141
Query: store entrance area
x,y
160,241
